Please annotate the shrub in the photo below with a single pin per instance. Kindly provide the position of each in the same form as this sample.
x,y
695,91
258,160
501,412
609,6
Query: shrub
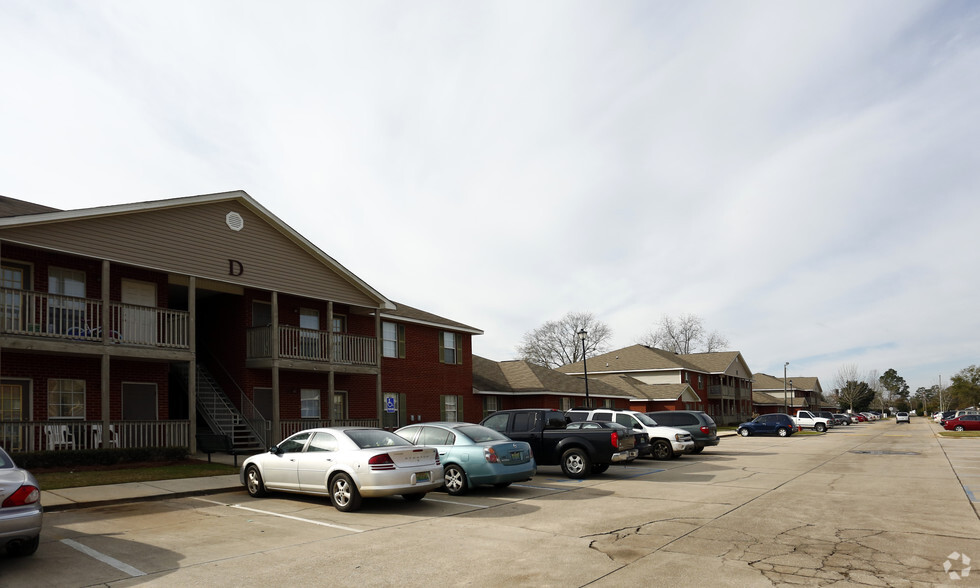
x,y
101,457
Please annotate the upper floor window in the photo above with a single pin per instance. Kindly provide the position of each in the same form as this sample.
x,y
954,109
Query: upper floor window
x,y
66,281
450,348
393,340
65,314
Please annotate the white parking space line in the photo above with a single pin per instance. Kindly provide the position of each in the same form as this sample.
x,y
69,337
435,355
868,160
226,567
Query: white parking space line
x,y
455,503
122,567
541,487
284,516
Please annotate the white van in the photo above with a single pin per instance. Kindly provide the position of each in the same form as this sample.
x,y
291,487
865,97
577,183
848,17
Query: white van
x,y
665,442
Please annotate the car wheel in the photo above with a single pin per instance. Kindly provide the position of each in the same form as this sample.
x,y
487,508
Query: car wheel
x,y
697,449
575,463
782,432
455,480
743,432
662,450
253,482
414,497
24,548
959,428
820,427
600,468
344,493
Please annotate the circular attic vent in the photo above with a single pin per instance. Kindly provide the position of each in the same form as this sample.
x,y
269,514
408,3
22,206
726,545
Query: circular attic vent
x,y
234,221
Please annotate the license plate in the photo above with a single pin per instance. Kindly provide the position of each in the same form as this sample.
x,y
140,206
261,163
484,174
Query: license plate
x,y
422,477
515,455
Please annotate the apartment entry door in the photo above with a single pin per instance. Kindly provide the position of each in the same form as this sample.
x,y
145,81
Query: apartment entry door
x,y
139,325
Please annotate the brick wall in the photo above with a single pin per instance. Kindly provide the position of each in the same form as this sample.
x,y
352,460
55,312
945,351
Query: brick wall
x,y
423,379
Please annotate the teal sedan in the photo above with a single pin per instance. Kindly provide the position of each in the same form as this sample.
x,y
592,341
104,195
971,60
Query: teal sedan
x,y
473,454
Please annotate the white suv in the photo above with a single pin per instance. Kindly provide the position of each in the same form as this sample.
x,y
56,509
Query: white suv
x,y
665,442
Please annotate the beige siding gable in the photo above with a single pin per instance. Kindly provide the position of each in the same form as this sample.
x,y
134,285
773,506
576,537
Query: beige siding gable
x,y
196,240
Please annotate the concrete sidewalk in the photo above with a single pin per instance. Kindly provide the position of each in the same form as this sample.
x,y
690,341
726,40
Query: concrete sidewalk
x,y
86,496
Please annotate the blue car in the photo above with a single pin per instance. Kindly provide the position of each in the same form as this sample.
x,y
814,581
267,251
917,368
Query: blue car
x,y
769,424
473,454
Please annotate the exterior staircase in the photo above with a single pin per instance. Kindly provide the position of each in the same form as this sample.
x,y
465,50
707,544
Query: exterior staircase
x,y
224,418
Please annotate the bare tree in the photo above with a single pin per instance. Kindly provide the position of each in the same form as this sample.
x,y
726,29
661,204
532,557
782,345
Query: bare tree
x,y
846,383
557,343
684,334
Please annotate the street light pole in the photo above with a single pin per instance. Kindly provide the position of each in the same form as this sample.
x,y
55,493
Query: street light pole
x,y
582,334
785,400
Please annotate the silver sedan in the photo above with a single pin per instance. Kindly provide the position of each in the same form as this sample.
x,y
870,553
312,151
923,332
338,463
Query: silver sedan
x,y
20,508
346,464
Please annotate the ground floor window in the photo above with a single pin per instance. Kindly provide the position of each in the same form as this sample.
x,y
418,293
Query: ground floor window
x,y
491,404
66,399
451,408
309,402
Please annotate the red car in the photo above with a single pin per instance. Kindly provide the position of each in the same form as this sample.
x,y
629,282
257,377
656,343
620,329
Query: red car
x,y
966,422
861,418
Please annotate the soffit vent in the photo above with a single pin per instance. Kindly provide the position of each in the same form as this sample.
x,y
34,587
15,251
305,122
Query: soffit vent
x,y
234,221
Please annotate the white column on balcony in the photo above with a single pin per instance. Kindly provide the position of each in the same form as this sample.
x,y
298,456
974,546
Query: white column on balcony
x,y
106,380
276,426
330,373
330,334
378,394
192,368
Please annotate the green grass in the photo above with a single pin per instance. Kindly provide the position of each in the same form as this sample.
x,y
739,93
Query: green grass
x,y
960,434
120,475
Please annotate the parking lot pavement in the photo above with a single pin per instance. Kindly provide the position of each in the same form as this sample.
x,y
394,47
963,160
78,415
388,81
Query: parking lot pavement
x,y
873,504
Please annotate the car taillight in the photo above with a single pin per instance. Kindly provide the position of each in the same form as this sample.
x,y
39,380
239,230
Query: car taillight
x,y
706,430
23,496
614,438
490,455
382,461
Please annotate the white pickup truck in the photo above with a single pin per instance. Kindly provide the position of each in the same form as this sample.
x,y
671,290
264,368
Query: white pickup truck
x,y
807,420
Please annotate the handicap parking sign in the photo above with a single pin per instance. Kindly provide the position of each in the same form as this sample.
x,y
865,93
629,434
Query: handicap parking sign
x,y
391,404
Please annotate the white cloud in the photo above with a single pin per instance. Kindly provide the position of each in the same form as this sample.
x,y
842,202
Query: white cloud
x,y
800,174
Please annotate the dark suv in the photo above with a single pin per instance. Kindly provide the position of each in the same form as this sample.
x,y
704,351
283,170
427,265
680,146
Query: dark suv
x,y
702,427
769,424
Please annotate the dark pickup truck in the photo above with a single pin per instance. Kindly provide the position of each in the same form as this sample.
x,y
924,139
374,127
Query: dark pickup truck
x,y
578,452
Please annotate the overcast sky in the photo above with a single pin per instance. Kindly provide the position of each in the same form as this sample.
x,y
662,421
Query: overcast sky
x,y
803,175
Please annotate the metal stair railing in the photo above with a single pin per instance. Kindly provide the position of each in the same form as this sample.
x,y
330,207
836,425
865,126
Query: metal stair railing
x,y
221,415
251,430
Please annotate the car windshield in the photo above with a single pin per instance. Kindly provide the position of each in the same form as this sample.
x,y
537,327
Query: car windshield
x,y
366,438
480,434
646,420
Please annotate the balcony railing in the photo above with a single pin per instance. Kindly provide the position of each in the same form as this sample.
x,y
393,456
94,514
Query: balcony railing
x,y
39,314
18,436
717,391
312,345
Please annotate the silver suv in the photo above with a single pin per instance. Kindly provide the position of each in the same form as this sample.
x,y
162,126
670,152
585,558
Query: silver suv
x,y
665,442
